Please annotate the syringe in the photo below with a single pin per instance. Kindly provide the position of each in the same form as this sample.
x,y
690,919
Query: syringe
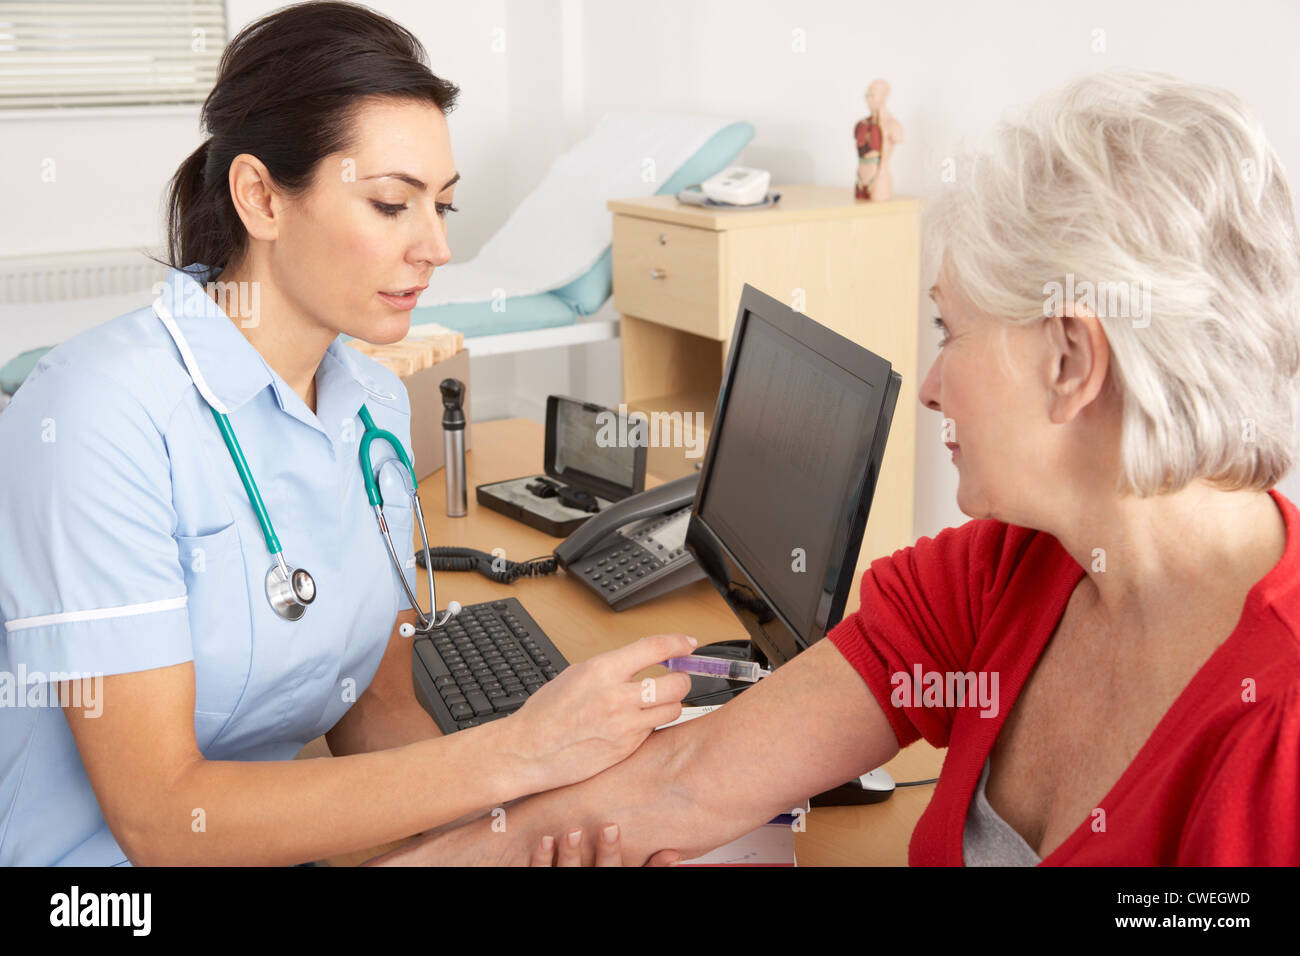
x,y
717,667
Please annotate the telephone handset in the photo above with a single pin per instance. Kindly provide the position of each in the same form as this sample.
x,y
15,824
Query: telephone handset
x,y
636,549
632,551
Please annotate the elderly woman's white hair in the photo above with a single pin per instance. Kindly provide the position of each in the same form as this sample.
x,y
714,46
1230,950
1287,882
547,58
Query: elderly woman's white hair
x,y
1138,181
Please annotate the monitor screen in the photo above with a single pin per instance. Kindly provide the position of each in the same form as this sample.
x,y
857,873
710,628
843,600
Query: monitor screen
x,y
799,433
783,466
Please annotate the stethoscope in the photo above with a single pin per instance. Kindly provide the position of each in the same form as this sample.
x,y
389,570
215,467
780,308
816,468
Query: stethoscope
x,y
291,590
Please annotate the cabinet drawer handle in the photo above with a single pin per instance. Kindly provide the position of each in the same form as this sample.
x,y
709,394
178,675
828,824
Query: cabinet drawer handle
x,y
658,274
663,239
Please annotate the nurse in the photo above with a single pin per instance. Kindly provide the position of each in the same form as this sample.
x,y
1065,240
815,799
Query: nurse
x,y
151,699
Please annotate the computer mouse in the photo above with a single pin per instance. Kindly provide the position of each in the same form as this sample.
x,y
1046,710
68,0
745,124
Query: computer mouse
x,y
873,786
878,780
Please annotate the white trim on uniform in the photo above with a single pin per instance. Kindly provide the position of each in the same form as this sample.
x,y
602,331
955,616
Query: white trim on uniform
x,y
96,614
191,365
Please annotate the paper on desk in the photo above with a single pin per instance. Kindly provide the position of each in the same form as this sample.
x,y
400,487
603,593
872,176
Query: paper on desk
x,y
690,713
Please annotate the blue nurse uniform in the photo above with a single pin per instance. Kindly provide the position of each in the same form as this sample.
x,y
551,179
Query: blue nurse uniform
x,y
127,542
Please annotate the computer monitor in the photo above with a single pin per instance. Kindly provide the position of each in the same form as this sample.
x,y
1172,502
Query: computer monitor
x,y
786,485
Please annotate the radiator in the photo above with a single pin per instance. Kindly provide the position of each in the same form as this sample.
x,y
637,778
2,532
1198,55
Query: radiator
x,y
56,277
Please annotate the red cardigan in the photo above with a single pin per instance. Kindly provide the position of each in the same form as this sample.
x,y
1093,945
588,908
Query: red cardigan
x,y
1216,783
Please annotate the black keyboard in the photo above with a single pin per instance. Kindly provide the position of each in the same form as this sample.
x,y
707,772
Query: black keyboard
x,y
483,664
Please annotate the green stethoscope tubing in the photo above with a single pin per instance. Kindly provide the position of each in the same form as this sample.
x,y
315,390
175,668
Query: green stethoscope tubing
x,y
276,589
255,496
246,476
290,590
370,434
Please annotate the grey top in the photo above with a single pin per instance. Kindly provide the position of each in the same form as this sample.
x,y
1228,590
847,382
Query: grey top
x,y
988,839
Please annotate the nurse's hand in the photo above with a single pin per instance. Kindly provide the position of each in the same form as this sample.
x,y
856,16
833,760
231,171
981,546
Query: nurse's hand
x,y
593,714
609,849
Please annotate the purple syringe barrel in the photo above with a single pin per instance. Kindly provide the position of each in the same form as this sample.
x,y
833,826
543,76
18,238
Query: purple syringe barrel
x,y
715,667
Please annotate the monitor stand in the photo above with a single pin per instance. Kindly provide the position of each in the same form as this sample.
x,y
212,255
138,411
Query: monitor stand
x,y
871,787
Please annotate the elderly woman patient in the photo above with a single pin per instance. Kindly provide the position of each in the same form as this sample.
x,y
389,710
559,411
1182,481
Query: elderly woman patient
x,y
1131,572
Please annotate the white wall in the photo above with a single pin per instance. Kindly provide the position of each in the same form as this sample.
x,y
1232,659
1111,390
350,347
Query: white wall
x,y
112,164
955,67
111,168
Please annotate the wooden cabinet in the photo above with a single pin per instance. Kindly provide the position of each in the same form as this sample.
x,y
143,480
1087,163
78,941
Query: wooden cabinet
x,y
854,266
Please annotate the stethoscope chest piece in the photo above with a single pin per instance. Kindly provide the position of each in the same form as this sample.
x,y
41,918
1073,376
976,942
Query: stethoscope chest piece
x,y
289,595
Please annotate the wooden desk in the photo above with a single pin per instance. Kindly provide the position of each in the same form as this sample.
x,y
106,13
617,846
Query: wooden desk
x,y
581,626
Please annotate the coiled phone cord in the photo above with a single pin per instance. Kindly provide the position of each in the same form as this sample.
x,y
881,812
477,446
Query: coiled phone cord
x,y
497,569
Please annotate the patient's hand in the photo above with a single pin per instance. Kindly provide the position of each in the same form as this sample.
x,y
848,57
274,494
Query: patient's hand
x,y
514,837
608,844
474,845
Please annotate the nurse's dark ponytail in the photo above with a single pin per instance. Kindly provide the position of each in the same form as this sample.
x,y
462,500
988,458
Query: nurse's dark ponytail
x,y
191,208
287,89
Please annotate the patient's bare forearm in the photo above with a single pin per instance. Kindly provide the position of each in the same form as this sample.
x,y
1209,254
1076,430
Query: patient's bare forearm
x,y
667,795
810,726
646,794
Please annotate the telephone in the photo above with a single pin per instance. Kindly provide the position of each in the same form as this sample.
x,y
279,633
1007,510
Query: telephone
x,y
636,549
632,551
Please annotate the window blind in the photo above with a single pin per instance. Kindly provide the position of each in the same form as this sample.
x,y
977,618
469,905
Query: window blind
x,y
69,53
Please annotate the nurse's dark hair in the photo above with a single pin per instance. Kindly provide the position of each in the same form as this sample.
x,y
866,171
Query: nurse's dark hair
x,y
288,88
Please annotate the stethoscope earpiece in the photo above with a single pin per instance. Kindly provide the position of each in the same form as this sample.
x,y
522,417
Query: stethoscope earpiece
x,y
408,630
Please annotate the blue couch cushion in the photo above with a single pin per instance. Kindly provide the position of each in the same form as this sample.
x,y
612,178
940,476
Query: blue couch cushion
x,y
519,314
19,367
